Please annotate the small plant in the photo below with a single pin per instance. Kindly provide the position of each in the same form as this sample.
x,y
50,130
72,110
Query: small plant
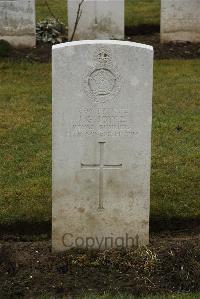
x,y
51,31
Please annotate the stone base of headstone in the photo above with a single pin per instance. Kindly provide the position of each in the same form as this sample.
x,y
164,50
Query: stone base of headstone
x,y
180,21
17,22
26,41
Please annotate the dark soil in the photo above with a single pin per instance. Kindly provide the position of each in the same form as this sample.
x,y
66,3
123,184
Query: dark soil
x,y
42,53
168,51
169,264
33,231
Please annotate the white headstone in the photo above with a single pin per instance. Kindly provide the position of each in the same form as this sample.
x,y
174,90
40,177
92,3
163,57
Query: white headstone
x,y
100,19
102,113
180,20
17,22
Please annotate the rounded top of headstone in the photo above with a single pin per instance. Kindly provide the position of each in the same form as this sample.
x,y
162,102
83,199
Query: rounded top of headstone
x,y
103,42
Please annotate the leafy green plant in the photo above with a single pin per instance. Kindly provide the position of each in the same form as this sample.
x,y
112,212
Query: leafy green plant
x,y
51,31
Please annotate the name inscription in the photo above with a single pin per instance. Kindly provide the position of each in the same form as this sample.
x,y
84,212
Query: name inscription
x,y
102,122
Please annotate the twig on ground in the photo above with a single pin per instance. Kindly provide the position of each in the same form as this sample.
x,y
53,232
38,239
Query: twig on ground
x,y
78,16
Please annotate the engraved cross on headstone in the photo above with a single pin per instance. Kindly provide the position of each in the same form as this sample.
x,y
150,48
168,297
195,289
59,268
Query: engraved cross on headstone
x,y
101,166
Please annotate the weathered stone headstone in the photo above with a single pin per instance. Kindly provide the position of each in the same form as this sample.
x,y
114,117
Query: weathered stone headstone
x,y
17,22
100,19
102,112
180,20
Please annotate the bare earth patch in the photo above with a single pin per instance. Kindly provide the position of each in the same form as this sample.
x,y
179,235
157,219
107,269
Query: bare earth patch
x,y
169,264
42,53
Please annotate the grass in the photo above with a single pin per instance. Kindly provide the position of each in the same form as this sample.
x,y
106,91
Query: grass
x,y
107,296
25,103
137,12
178,296
25,136
175,154
58,7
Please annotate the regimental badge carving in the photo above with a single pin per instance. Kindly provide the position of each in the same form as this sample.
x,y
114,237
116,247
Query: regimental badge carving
x,y
102,82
